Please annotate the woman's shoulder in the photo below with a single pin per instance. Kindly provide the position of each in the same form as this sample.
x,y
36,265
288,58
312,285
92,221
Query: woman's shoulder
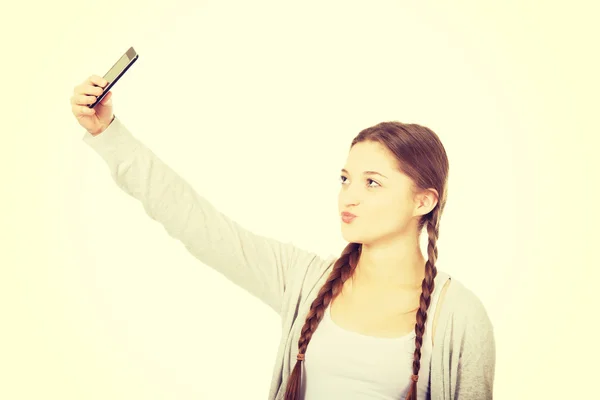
x,y
463,305
467,340
462,296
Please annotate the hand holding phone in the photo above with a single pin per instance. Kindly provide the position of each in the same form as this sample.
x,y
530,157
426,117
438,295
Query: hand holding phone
x,y
91,101
116,72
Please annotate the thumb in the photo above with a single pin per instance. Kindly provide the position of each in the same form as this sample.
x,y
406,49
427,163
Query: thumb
x,y
107,100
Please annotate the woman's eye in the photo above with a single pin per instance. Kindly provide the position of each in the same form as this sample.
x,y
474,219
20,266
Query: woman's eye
x,y
371,181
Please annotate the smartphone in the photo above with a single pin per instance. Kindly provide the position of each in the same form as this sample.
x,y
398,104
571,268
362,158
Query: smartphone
x,y
116,72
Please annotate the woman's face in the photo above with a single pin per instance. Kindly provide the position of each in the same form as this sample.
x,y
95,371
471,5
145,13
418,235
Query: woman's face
x,y
373,189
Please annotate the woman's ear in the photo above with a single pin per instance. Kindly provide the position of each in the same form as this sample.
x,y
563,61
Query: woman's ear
x,y
425,201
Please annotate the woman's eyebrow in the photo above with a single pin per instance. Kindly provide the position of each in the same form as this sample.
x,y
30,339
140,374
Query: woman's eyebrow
x,y
367,173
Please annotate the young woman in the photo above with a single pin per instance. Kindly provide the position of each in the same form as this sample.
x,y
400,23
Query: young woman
x,y
380,321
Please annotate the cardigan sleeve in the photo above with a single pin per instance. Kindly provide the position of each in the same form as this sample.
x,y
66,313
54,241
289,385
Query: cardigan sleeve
x,y
258,264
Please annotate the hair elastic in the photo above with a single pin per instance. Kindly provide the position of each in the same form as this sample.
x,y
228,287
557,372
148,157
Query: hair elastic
x,y
300,357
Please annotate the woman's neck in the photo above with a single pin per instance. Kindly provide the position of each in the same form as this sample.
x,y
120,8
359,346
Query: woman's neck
x,y
396,265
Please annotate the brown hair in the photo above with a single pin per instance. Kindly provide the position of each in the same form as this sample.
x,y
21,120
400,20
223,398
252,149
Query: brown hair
x,y
422,157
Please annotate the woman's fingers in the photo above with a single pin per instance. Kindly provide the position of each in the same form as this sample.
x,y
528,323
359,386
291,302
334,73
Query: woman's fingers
x,y
82,99
80,111
96,80
93,86
88,89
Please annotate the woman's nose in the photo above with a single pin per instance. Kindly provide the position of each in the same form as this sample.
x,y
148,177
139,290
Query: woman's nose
x,y
349,198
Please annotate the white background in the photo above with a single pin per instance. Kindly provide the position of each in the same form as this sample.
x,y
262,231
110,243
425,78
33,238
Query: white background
x,y
255,104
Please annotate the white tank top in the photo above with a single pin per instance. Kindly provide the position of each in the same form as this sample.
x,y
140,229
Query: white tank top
x,y
341,364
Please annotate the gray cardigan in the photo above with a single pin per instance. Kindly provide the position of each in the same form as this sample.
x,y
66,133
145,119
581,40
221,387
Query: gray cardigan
x,y
285,277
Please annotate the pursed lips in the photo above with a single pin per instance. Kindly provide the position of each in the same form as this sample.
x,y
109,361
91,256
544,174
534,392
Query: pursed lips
x,y
347,217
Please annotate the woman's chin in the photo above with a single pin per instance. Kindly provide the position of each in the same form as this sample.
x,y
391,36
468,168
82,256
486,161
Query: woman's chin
x,y
350,237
